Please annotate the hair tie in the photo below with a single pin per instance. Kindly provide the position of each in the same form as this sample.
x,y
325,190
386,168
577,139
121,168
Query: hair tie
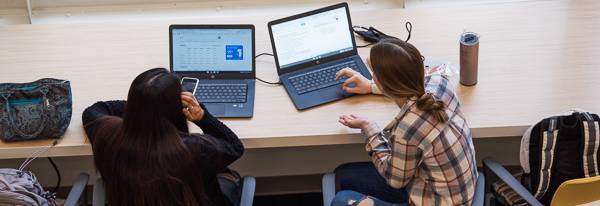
x,y
425,94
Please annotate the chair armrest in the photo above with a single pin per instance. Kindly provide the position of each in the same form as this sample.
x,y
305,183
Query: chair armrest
x,y
507,178
248,188
328,184
99,196
77,190
479,196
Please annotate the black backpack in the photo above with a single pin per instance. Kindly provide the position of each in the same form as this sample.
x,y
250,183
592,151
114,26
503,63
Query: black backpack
x,y
554,150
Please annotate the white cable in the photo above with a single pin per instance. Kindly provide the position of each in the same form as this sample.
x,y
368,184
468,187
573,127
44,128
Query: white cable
x,y
36,154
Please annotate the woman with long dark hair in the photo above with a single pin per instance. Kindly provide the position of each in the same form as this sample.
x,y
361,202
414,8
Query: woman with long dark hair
x,y
145,153
425,155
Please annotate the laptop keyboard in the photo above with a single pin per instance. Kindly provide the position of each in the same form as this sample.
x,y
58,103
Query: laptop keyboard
x,y
321,78
221,93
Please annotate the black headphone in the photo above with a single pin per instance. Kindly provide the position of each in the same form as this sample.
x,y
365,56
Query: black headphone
x,y
373,35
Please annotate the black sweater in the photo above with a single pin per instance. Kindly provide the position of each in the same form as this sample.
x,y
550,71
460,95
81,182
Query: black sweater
x,y
214,150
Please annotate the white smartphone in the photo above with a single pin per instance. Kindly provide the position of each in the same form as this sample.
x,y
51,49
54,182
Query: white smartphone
x,y
189,84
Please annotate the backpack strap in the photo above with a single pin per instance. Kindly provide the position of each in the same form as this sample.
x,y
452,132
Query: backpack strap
x,y
524,151
591,142
547,157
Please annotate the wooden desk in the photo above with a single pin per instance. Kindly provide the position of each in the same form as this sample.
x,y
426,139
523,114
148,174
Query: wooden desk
x,y
536,59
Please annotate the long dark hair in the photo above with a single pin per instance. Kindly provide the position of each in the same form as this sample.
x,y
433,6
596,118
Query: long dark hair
x,y
398,67
143,160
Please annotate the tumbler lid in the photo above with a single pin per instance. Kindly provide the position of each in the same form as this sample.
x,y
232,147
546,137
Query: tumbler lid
x,y
469,38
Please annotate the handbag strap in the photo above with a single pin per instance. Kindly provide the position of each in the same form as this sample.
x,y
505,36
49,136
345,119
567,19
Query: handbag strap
x,y
13,125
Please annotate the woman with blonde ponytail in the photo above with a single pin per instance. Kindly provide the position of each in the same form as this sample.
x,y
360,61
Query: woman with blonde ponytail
x,y
425,155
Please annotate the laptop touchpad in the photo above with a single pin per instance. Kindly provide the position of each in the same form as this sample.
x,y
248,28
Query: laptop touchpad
x,y
216,109
332,93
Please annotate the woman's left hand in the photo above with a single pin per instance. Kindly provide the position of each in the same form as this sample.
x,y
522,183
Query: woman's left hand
x,y
193,111
354,121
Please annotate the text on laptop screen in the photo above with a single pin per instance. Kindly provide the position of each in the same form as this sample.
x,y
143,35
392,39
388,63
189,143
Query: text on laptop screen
x,y
312,37
212,50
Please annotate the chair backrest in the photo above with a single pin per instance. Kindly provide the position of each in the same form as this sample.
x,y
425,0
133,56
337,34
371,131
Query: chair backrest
x,y
577,191
478,198
247,196
99,195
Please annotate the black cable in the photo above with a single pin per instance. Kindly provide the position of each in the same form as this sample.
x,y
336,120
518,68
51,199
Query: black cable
x,y
271,83
57,175
408,27
360,27
366,45
263,54
263,81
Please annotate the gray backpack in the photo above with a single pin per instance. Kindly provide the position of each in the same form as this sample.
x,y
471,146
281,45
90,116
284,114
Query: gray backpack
x,y
22,188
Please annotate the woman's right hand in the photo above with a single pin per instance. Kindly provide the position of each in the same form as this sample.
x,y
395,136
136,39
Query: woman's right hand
x,y
361,84
193,111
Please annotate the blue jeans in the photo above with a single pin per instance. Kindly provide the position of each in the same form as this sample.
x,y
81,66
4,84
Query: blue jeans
x,y
352,198
361,180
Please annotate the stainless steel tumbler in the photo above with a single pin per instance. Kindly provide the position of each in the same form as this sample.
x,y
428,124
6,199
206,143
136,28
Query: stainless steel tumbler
x,y
469,54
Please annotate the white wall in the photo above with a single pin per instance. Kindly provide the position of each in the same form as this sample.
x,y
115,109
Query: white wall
x,y
68,11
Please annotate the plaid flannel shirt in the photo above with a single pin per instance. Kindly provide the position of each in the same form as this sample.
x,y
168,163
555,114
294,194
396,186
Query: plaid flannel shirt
x,y
434,161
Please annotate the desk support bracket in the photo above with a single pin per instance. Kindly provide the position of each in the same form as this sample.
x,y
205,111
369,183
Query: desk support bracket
x,y
29,16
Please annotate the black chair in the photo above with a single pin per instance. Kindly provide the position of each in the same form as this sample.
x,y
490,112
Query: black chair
x,y
248,187
328,184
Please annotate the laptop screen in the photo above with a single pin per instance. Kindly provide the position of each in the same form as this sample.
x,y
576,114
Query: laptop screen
x,y
211,50
312,37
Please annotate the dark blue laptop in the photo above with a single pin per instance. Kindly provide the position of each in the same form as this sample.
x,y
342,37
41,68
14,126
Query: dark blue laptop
x,y
221,57
309,48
